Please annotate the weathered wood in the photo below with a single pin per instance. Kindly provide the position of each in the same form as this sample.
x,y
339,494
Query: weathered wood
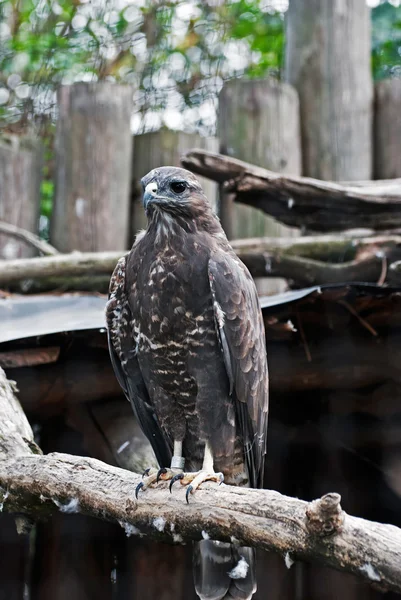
x,y
258,122
303,201
262,518
16,436
29,238
29,357
93,167
159,148
20,178
328,62
387,129
309,261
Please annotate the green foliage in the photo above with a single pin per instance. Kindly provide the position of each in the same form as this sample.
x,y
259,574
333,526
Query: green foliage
x,y
176,54
386,41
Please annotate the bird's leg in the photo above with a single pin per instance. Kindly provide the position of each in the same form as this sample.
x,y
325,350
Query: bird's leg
x,y
207,473
155,475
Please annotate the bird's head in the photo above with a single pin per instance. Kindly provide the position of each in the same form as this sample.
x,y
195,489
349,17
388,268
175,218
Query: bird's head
x,y
175,191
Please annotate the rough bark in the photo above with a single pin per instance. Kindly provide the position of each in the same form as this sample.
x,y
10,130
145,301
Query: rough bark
x,y
303,201
20,178
163,147
93,167
387,129
30,239
328,62
42,485
16,436
312,260
266,133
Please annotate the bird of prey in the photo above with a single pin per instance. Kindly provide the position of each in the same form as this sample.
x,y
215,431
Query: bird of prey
x,y
187,343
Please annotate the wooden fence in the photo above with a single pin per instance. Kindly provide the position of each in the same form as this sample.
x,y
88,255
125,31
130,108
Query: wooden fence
x,y
321,122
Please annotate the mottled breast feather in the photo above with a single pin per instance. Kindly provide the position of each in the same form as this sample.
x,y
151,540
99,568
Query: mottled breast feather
x,y
125,363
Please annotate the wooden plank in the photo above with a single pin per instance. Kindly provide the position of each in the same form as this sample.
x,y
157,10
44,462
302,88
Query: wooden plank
x,y
259,123
20,178
387,129
93,167
328,62
161,148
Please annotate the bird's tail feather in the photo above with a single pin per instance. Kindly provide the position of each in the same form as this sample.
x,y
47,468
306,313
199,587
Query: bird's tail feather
x,y
223,571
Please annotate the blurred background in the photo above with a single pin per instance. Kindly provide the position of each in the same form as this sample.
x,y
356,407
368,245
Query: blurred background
x,y
93,95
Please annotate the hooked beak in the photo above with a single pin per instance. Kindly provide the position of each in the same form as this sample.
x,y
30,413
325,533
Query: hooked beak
x,y
150,193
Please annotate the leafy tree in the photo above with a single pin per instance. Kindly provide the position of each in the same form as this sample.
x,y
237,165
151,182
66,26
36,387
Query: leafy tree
x,y
175,54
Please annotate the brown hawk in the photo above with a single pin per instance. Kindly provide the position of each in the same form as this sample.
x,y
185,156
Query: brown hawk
x,y
187,344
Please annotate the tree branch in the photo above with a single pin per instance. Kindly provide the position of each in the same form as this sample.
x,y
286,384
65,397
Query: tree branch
x,y
39,485
311,260
303,201
29,238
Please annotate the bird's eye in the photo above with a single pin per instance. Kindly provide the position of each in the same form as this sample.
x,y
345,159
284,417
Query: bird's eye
x,y
178,187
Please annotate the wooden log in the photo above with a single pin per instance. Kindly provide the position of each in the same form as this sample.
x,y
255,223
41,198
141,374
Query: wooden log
x,y
328,62
20,178
318,531
93,167
258,122
302,201
158,149
387,129
312,260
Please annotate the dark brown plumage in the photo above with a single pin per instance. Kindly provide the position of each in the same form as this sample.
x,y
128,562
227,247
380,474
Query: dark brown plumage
x,y
187,344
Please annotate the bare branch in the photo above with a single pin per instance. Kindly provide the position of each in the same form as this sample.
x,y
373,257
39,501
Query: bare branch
x,y
303,201
29,238
38,486
311,260
42,485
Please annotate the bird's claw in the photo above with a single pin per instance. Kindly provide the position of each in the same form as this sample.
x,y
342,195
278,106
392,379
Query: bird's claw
x,y
138,488
174,479
189,491
160,472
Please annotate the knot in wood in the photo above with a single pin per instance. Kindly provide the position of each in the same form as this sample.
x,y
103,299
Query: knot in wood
x,y
325,516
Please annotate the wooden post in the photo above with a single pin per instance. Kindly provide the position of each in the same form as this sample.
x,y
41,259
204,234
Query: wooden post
x,y
162,148
20,177
387,129
259,123
328,61
93,167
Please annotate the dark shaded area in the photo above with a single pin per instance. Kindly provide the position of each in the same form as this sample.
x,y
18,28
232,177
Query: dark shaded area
x,y
335,426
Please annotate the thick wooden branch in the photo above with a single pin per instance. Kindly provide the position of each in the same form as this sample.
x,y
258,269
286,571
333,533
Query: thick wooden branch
x,y
42,485
16,436
29,238
303,201
306,261
38,486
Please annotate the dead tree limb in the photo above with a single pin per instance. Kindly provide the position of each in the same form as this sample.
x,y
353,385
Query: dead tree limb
x,y
41,485
29,238
303,201
310,260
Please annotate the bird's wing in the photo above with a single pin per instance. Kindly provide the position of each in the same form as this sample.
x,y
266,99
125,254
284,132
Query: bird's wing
x,y
239,323
126,366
